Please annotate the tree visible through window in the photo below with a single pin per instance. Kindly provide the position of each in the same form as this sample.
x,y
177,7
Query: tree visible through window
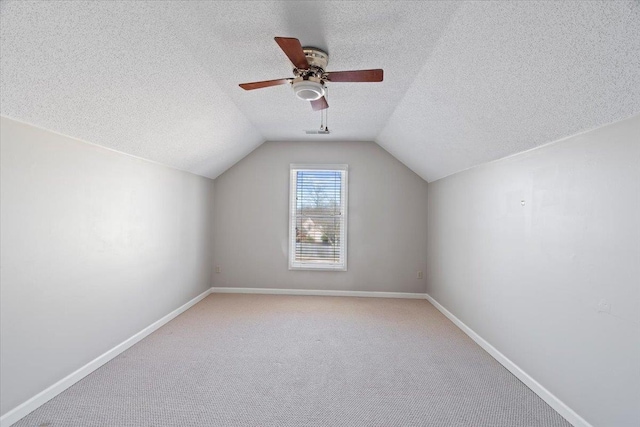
x,y
318,217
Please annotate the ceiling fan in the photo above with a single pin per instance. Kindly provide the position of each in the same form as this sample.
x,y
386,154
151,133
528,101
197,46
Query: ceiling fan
x,y
310,75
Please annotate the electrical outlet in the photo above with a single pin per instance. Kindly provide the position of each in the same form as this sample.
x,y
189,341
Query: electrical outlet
x,y
604,306
218,269
419,275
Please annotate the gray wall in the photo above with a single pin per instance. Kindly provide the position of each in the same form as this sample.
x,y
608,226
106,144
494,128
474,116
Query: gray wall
x,y
387,233
529,279
96,246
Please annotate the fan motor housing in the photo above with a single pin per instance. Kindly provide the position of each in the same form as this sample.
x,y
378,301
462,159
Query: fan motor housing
x,y
317,58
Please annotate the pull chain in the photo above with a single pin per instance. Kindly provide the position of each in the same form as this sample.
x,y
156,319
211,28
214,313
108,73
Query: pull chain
x,y
326,111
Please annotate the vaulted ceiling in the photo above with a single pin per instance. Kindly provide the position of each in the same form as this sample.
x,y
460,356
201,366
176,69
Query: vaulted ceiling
x,y
464,83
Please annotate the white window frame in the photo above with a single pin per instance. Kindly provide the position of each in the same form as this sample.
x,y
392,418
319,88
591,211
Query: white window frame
x,y
293,169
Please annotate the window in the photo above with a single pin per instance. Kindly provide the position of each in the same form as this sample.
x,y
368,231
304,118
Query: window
x,y
318,217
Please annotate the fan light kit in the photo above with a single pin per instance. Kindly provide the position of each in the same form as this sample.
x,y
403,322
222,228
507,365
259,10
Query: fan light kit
x,y
308,90
309,65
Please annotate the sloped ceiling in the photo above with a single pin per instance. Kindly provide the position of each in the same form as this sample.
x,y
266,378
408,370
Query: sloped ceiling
x,y
506,77
465,82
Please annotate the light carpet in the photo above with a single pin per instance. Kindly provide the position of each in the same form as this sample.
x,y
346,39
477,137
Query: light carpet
x,y
271,360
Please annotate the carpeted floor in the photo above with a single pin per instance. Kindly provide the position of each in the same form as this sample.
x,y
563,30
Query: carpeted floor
x,y
267,360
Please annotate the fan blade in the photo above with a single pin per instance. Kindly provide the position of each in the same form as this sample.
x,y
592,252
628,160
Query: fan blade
x,y
266,83
355,76
319,104
293,49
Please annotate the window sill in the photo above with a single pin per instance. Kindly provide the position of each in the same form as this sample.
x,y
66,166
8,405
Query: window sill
x,y
316,267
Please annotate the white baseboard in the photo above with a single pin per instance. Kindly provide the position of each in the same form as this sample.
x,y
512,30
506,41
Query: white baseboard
x,y
272,291
44,396
560,407
30,405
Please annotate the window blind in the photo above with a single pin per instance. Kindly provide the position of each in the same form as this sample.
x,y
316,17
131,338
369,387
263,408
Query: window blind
x,y
318,217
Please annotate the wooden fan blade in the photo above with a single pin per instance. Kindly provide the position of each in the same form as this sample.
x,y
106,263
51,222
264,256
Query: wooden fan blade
x,y
319,104
355,76
266,83
293,49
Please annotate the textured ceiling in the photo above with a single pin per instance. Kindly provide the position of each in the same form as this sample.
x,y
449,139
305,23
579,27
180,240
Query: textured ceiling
x,y
506,77
465,82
